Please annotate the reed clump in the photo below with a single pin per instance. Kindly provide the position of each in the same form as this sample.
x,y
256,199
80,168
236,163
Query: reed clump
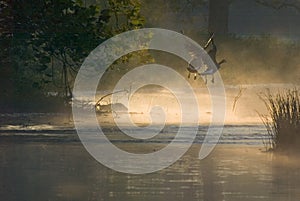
x,y
283,121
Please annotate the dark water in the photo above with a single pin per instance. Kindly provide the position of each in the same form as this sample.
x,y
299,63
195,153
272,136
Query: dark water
x,y
51,164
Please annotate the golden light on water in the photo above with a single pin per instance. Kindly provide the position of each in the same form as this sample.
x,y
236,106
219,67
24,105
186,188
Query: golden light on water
x,y
241,108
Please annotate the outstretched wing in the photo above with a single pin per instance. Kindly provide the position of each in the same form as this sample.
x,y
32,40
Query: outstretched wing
x,y
209,40
193,67
208,71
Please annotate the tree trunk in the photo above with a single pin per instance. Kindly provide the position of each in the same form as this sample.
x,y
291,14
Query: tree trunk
x,y
218,16
68,92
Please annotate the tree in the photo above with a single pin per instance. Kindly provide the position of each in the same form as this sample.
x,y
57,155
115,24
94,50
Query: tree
x,y
14,41
218,16
67,33
125,15
51,38
219,12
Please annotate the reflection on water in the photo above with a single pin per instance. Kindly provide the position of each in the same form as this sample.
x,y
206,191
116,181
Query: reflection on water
x,y
65,171
232,134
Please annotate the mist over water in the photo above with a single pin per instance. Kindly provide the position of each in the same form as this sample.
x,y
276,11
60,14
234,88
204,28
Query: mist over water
x,y
243,103
42,158
262,44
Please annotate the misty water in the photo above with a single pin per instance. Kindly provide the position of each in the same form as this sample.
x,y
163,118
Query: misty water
x,y
50,163
42,158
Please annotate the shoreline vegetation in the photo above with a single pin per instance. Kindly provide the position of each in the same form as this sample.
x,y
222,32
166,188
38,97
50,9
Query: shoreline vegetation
x,y
246,65
283,121
40,60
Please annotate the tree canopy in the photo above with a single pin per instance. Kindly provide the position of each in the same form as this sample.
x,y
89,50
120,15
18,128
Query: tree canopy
x,y
45,42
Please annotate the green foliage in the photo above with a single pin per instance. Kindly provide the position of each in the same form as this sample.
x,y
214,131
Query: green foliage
x,y
44,42
120,16
67,33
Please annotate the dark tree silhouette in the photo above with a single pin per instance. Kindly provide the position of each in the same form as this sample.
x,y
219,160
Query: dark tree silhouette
x,y
218,16
219,12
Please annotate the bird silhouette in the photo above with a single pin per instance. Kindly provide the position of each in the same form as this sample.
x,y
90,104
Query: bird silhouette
x,y
211,71
212,53
192,70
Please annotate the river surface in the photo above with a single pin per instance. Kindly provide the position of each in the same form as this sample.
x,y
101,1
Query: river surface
x,y
50,163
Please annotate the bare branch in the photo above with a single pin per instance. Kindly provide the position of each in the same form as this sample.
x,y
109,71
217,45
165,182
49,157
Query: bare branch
x,y
98,103
236,98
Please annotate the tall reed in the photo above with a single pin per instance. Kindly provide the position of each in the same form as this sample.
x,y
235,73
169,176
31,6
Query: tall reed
x,y
283,121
